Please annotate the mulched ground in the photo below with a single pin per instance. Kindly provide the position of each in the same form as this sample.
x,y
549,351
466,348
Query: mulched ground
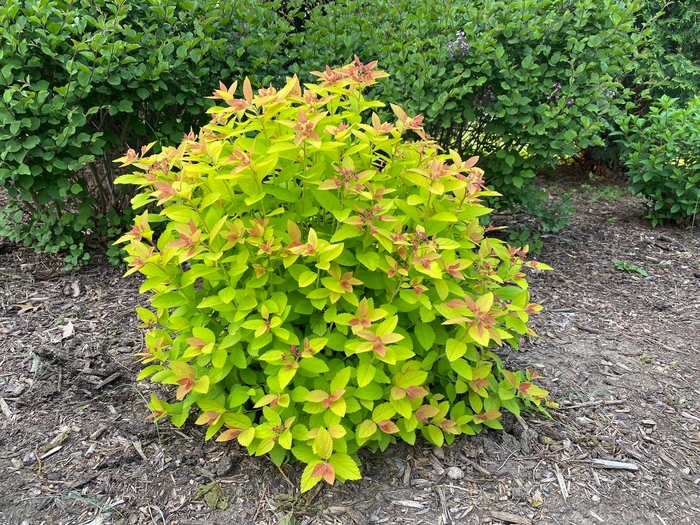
x,y
620,352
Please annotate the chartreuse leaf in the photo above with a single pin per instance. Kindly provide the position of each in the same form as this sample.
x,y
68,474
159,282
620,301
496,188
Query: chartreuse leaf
x,y
365,374
323,444
383,412
455,349
366,429
307,278
341,379
433,434
320,281
285,376
410,378
425,335
345,467
462,368
475,401
219,357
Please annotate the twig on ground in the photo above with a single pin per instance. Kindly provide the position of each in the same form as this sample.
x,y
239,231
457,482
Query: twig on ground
x,y
507,517
684,414
588,329
447,518
674,241
5,409
594,403
562,483
260,504
110,379
522,423
285,476
481,469
616,465
51,452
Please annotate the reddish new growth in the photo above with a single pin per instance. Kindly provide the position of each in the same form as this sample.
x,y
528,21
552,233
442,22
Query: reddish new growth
x,y
379,343
330,77
275,400
346,280
186,385
364,73
190,238
335,396
233,233
335,130
309,248
141,257
418,288
326,471
362,319
258,227
131,156
348,180
241,159
438,169
388,426
208,418
395,267
259,270
379,126
370,217
305,127
164,192
425,412
425,259
189,136
455,268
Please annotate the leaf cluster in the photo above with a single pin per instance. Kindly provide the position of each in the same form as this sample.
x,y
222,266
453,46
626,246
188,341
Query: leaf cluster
x,y
670,64
520,83
661,151
83,80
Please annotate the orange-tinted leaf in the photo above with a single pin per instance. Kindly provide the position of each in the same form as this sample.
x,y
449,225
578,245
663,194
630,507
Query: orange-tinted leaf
x,y
326,471
425,412
388,426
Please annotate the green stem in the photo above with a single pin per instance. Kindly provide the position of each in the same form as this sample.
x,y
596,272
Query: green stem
x,y
427,206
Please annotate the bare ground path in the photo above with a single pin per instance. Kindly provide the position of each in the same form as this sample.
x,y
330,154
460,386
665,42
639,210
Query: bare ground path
x,y
620,352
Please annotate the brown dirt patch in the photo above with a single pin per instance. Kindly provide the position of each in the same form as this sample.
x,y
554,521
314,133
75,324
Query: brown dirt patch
x,y
620,352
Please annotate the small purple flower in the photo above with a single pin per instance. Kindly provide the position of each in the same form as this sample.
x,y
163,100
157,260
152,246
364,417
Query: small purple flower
x,y
557,86
459,46
569,102
609,93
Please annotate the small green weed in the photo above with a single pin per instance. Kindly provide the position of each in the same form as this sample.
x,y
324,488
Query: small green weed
x,y
627,267
607,193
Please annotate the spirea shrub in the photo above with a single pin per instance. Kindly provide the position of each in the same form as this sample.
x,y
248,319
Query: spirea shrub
x,y
322,282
